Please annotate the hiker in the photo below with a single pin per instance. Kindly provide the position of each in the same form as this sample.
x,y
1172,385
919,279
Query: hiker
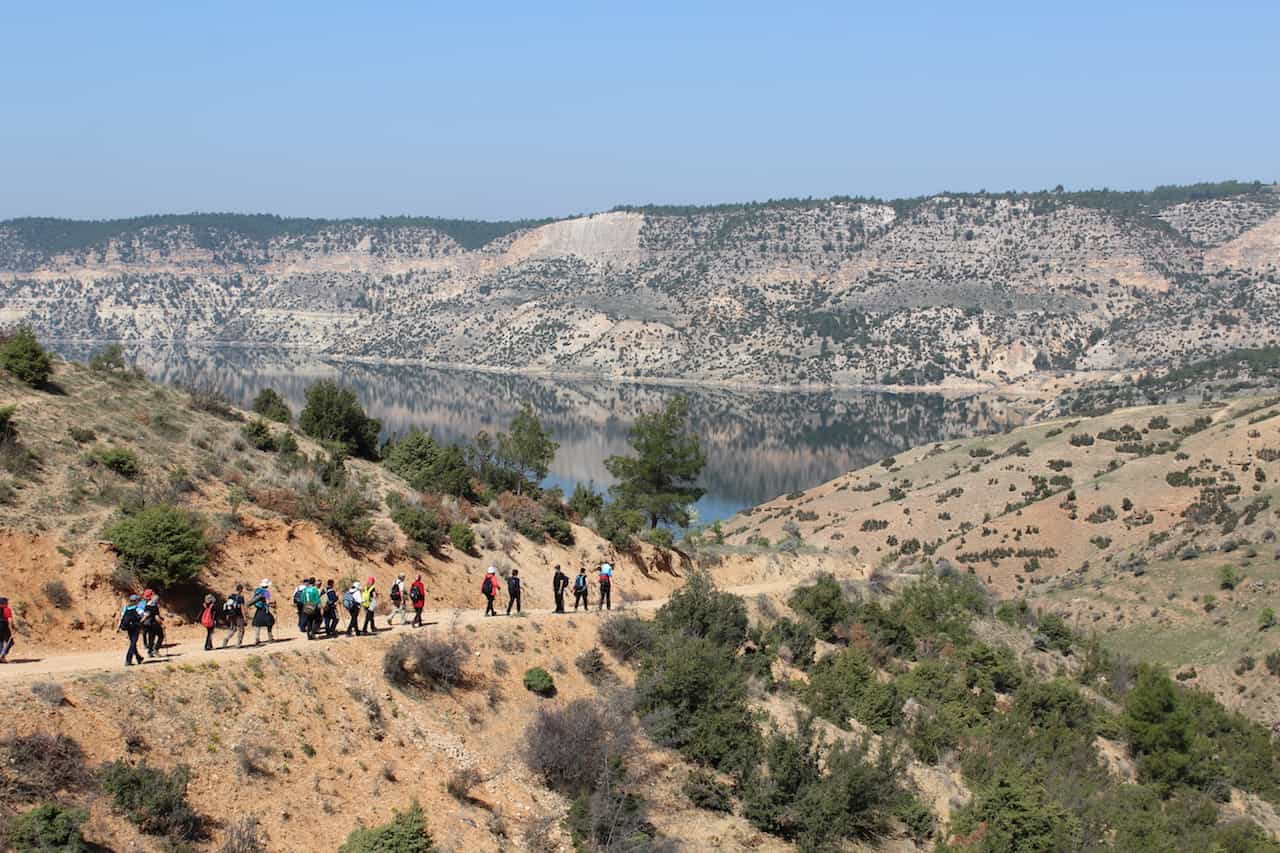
x,y
152,624
298,594
606,587
6,629
208,621
311,607
489,588
262,615
233,613
580,589
513,591
351,601
397,601
418,598
330,605
559,583
131,624
370,605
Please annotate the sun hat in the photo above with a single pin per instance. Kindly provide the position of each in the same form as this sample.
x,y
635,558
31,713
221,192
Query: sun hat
x,y
265,582
491,571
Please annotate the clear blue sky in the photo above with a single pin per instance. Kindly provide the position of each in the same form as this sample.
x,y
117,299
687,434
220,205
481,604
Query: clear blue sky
x,y
501,110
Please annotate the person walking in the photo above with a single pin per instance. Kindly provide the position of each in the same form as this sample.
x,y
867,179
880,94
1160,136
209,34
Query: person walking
x,y
233,614
131,624
330,604
580,590
606,587
152,624
351,601
262,615
559,583
6,629
513,591
208,620
418,598
370,606
311,607
299,593
489,589
398,594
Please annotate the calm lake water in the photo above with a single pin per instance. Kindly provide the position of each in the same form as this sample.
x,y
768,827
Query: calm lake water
x,y
759,444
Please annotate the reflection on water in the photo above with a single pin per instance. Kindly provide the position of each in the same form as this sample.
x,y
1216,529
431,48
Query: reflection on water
x,y
759,444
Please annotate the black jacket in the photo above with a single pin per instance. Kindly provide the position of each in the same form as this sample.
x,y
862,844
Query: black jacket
x,y
513,586
559,583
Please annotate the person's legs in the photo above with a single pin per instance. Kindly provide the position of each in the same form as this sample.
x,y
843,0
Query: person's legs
x,y
511,600
369,627
417,617
518,597
133,654
351,626
608,597
488,607
208,639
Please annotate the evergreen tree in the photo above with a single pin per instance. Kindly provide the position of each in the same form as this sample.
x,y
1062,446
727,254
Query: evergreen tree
x,y
272,406
528,448
658,480
22,355
333,414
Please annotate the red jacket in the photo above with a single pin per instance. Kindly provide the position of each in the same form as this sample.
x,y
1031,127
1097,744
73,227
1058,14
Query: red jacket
x,y
497,582
419,599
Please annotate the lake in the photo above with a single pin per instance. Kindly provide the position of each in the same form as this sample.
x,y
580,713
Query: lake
x,y
759,444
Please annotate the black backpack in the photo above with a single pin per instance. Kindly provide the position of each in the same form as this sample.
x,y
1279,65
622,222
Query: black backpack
x,y
487,586
580,583
130,618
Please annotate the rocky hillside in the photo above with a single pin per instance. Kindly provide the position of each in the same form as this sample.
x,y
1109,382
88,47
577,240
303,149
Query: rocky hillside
x,y
955,288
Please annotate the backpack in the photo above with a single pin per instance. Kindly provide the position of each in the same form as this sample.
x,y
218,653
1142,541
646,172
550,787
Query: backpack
x,y
206,618
259,599
579,583
297,596
230,606
130,618
396,594
487,586
349,600
415,594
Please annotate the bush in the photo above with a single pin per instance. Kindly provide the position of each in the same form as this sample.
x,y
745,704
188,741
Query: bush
x,y
22,355
154,801
460,783
245,836
1266,619
698,609
343,508
586,501
120,460
425,662
538,680
1057,634
405,833
49,828
108,359
824,603
207,398
1229,577
1017,815
844,686
570,746
421,525
334,414
272,406
58,594
627,637
705,791
428,466
160,544
39,765
462,537
258,433
592,665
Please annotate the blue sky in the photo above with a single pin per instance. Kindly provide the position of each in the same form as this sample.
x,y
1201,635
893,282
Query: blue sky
x,y
512,110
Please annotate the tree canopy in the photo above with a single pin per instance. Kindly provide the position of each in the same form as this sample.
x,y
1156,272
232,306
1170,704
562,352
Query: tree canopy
x,y
334,414
659,479
528,449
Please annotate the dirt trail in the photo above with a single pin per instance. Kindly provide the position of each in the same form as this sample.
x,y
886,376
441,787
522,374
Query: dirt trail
x,y
187,647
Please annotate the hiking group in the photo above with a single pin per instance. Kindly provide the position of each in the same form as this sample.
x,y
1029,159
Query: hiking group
x,y
319,607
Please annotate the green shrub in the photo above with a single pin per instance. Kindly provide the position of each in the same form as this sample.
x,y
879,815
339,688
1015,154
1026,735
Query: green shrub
x,y
422,526
108,359
698,609
428,466
22,355
343,508
1266,619
154,801
844,686
1229,577
1017,816
1056,633
538,680
258,433
628,637
160,544
286,443
49,828
462,537
81,435
120,460
586,501
705,791
796,638
824,603
272,406
7,428
405,833
334,414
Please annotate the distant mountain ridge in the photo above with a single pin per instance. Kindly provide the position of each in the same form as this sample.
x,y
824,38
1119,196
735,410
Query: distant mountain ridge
x,y
953,289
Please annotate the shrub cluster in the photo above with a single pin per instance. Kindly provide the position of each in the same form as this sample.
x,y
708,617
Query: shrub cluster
x,y
406,832
160,545
23,357
154,801
426,662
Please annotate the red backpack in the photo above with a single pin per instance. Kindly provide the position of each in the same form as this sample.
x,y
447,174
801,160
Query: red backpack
x,y
206,618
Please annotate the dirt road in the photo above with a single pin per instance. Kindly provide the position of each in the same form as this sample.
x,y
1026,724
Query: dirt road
x,y
187,647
